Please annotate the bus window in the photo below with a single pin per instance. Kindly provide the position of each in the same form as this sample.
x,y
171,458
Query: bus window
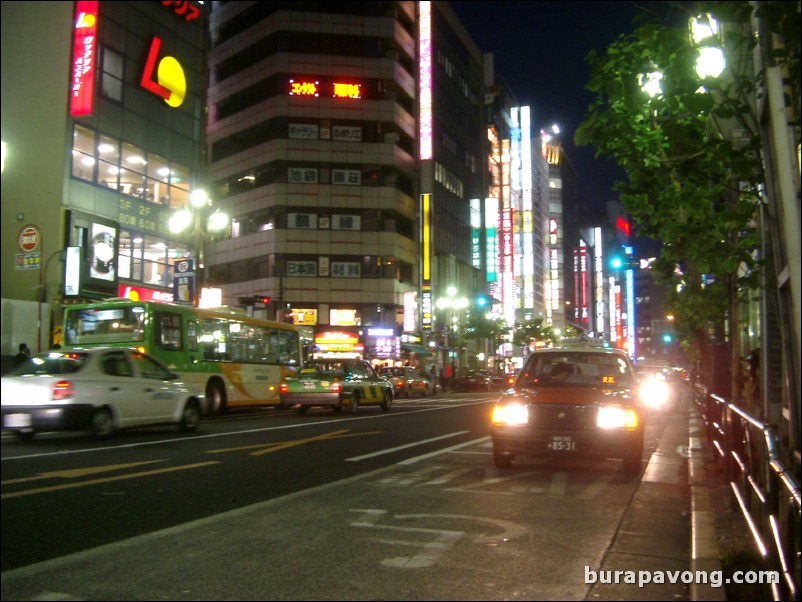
x,y
214,340
168,331
192,335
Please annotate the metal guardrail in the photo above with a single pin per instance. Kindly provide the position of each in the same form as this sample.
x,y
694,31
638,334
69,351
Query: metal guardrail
x,y
766,491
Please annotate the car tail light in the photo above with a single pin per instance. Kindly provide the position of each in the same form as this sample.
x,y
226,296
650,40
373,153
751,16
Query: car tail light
x,y
336,387
282,388
62,390
510,380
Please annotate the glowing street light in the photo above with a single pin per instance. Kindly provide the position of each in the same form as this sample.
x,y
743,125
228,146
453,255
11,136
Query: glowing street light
x,y
182,219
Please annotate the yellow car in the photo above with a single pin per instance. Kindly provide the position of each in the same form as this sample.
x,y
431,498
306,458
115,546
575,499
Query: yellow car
x,y
338,384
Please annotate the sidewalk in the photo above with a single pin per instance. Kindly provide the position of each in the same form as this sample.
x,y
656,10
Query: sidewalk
x,y
681,518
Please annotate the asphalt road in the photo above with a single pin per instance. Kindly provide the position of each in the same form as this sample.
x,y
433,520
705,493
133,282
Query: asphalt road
x,y
398,505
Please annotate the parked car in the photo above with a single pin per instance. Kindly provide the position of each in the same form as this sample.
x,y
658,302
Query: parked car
x,y
98,390
407,381
338,384
571,402
480,380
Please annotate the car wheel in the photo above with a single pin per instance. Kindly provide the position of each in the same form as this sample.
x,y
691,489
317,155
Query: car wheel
x,y
102,423
300,410
215,399
502,460
337,409
24,435
632,464
387,402
190,417
354,405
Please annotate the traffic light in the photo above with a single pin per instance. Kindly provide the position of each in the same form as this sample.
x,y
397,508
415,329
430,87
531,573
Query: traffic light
x,y
481,301
264,300
616,262
667,338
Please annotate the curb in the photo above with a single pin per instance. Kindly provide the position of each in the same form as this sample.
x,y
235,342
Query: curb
x,y
704,543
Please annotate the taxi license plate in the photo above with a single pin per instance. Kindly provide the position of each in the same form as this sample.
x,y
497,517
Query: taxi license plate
x,y
561,443
13,421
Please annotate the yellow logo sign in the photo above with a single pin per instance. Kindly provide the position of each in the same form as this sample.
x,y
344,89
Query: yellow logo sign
x,y
171,83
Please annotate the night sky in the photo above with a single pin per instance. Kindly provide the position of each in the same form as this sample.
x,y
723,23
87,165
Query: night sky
x,y
539,48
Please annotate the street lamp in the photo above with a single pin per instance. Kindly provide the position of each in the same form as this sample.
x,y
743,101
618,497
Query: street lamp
x,y
452,303
192,215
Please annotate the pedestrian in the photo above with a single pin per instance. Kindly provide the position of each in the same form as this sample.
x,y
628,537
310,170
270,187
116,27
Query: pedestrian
x,y
433,378
23,356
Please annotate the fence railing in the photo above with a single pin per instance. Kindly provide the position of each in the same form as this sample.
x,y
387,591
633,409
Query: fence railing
x,y
766,491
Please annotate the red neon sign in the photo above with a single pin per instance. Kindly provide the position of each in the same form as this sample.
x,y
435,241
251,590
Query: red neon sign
x,y
346,90
147,81
84,49
314,88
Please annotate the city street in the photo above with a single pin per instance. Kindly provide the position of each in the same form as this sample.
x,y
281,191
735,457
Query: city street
x,y
403,505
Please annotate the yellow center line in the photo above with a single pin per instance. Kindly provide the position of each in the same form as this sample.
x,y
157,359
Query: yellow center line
x,y
266,448
133,475
75,472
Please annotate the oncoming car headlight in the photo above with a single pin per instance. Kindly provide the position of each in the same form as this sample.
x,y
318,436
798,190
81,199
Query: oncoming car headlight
x,y
510,413
654,392
614,417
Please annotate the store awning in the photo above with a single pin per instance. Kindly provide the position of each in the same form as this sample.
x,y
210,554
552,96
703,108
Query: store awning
x,y
416,349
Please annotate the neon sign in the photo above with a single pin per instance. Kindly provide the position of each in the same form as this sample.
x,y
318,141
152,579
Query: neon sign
x,y
316,88
170,83
425,128
84,48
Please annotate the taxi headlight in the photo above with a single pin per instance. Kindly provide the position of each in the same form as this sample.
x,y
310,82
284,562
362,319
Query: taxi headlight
x,y
614,417
510,413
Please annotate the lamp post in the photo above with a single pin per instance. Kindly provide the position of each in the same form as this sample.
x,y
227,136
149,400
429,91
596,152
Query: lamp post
x,y
451,303
193,215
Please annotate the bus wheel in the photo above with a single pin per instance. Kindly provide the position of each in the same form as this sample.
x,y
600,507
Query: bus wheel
x,y
300,409
215,399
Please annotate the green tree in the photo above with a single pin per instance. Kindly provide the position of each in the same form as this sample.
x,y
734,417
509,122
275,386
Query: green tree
x,y
689,182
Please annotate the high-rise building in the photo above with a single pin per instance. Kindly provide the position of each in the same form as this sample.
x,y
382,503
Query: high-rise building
x,y
102,131
348,211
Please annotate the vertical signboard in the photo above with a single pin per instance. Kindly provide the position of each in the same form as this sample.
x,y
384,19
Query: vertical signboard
x,y
425,81
426,261
84,58
184,281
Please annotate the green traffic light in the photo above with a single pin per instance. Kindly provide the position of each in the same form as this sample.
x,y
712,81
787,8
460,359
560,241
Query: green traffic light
x,y
666,338
616,263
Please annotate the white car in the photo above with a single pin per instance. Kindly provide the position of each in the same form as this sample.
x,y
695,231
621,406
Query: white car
x,y
99,390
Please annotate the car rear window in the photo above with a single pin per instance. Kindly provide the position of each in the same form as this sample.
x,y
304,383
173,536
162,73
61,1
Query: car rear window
x,y
51,365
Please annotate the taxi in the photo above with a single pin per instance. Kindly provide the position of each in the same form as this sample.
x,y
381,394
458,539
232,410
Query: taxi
x,y
337,384
571,403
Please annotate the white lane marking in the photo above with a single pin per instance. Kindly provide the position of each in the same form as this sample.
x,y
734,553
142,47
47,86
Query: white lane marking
x,y
408,445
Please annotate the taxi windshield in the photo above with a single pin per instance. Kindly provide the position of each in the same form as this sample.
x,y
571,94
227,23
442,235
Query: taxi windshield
x,y
575,368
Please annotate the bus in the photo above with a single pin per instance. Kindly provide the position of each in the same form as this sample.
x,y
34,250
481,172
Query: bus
x,y
230,359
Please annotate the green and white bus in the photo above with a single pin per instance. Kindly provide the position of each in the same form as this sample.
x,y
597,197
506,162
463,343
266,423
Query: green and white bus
x,y
230,359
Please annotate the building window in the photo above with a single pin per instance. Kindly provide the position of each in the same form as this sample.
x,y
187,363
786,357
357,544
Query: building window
x,y
111,75
128,169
